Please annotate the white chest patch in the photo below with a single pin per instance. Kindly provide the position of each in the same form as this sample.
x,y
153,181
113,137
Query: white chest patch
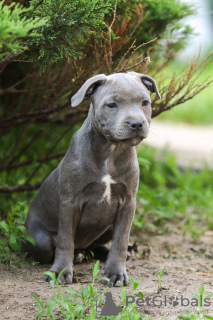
x,y
107,179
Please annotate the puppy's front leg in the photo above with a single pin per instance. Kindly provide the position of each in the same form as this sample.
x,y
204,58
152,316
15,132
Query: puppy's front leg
x,y
115,268
69,215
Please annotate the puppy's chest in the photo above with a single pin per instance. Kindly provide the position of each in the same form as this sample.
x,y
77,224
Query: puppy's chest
x,y
111,181
105,190
102,199
106,186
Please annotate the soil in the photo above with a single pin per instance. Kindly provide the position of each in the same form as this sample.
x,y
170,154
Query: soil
x,y
187,267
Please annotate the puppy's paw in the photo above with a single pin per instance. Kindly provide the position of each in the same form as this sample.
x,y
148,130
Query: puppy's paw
x,y
116,277
65,277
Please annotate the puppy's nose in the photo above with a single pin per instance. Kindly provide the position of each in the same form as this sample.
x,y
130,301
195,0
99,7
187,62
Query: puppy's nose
x,y
135,125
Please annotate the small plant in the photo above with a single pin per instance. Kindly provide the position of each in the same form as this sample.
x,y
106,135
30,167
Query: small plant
x,y
14,233
135,285
201,310
201,302
159,275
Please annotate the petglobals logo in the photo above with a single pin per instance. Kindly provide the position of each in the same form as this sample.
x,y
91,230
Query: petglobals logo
x,y
163,301
111,309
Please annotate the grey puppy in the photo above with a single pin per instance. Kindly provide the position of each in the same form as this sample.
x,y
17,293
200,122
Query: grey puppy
x,y
91,196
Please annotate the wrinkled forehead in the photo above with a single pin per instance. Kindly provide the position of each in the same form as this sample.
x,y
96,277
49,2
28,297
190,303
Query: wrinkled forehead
x,y
122,87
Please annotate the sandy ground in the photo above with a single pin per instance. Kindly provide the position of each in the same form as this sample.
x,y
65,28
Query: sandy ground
x,y
193,145
188,266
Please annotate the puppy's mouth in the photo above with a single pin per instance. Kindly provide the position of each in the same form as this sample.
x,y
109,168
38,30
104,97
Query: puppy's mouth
x,y
131,141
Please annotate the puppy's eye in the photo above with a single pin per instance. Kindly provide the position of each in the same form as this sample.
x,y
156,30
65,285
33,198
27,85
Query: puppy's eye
x,y
112,105
145,103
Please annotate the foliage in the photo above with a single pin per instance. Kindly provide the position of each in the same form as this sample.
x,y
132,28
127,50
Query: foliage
x,y
68,28
16,28
70,23
14,233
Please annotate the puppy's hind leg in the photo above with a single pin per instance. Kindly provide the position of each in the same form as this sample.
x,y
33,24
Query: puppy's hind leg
x,y
44,249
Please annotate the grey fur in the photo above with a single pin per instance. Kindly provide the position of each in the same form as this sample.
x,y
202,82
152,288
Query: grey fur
x,y
91,195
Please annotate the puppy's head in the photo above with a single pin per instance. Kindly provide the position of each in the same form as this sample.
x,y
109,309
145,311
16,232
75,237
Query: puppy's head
x,y
121,105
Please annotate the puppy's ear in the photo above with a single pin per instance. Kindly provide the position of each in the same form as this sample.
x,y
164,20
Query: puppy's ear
x,y
149,83
87,89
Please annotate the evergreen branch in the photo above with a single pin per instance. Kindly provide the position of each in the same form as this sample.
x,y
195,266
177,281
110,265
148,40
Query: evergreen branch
x,y
14,29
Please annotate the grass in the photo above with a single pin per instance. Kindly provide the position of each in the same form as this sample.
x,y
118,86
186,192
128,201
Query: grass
x,y
197,111
168,192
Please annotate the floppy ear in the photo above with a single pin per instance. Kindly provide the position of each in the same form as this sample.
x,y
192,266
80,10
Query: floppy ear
x,y
149,83
87,89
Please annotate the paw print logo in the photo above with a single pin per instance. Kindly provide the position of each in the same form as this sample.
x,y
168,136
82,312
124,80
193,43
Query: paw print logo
x,y
173,301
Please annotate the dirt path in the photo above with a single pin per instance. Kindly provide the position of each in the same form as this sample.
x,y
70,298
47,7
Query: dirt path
x,y
192,145
188,266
